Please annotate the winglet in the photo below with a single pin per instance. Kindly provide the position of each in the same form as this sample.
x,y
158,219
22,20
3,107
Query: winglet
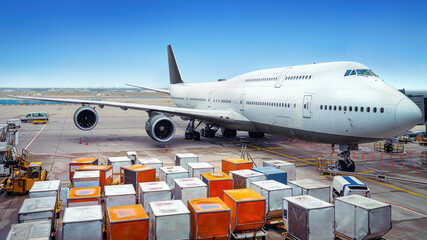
x,y
174,75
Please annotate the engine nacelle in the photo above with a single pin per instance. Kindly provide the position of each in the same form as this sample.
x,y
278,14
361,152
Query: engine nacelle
x,y
85,118
160,128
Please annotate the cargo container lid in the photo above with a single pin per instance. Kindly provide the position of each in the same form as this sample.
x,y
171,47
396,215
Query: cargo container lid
x,y
119,159
43,204
42,186
243,195
271,185
247,173
94,167
165,208
86,174
30,230
199,165
279,162
154,186
82,214
186,155
308,202
216,176
86,192
84,160
116,190
189,182
126,213
362,202
144,161
138,168
208,204
173,169
309,183
237,160
268,170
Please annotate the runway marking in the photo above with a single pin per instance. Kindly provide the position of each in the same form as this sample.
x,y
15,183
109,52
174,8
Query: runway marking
x,y
412,160
35,137
406,208
53,154
272,148
324,147
311,145
391,158
381,158
318,146
400,189
354,154
372,156
400,155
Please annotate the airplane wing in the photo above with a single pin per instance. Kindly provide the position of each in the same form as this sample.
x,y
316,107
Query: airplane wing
x,y
216,116
150,88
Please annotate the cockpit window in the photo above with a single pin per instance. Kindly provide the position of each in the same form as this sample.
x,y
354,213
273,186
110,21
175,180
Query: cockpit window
x,y
353,72
360,72
347,73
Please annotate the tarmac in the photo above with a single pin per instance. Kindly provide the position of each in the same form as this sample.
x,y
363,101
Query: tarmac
x,y
118,131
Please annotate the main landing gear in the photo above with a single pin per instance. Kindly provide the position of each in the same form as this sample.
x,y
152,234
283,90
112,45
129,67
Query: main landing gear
x,y
345,163
190,131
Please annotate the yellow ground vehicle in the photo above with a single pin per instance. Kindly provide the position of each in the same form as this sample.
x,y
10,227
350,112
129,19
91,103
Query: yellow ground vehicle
x,y
39,122
25,170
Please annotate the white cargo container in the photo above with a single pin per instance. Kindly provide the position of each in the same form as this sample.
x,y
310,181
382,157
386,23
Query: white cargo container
x,y
36,209
359,217
39,230
83,179
243,178
181,159
311,187
274,192
189,188
117,162
153,192
288,167
310,218
45,189
82,223
197,168
119,195
168,174
169,220
152,162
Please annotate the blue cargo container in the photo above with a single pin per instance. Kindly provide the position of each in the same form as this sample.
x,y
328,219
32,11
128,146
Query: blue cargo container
x,y
273,174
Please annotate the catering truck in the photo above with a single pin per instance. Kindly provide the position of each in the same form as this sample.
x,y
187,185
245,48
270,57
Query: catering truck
x,y
349,185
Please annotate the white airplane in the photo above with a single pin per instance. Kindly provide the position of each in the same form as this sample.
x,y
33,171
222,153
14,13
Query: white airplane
x,y
341,103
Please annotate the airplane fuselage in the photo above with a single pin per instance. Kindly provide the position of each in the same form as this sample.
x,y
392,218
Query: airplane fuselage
x,y
314,102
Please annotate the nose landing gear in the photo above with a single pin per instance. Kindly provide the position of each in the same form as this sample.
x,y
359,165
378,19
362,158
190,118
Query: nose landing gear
x,y
345,163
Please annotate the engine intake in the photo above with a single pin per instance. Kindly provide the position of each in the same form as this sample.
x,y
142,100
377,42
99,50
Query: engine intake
x,y
85,118
160,128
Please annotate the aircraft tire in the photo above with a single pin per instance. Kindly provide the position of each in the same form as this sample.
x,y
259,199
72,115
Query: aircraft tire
x,y
341,165
196,136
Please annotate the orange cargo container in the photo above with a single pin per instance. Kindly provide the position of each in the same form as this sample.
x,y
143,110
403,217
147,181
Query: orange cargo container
x,y
137,173
76,163
84,197
127,223
247,209
233,164
210,218
217,182
105,173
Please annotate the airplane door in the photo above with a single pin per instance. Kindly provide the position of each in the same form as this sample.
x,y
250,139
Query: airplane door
x,y
282,78
306,106
242,102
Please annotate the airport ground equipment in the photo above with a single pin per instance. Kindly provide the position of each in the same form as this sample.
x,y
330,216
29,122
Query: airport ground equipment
x,y
244,154
386,146
326,166
153,192
181,159
87,196
349,185
83,223
273,191
34,116
14,123
37,209
243,178
272,173
168,174
8,142
424,158
233,164
119,195
421,139
82,179
189,188
135,174
217,182
151,162
169,220
311,187
39,122
127,222
288,167
76,163
196,169
30,230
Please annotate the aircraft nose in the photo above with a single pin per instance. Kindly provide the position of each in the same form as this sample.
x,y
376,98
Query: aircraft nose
x,y
407,114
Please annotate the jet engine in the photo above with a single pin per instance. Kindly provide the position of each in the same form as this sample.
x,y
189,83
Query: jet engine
x,y
160,128
85,118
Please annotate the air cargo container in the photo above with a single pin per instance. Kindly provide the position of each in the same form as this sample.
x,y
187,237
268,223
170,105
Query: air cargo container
x,y
119,195
217,182
168,174
152,162
189,188
37,209
273,192
181,159
84,197
86,179
82,223
243,178
358,217
105,171
117,162
288,167
39,230
247,209
310,218
137,173
76,163
45,189
127,222
233,164
153,192
169,220
195,169
272,173
311,187
210,218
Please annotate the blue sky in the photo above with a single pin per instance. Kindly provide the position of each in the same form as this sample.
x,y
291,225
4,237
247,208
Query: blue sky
x,y
109,43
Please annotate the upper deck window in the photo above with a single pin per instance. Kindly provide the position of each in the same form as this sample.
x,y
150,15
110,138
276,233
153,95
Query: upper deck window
x,y
360,72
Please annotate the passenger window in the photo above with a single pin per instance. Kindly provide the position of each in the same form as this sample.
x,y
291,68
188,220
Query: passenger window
x,y
355,109
28,115
361,109
339,108
368,109
305,105
347,73
335,108
381,110
374,109
345,108
330,107
309,77
350,108
321,107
